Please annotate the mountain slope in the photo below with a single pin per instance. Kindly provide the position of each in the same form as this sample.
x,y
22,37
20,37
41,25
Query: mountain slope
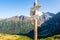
x,y
48,28
46,16
21,24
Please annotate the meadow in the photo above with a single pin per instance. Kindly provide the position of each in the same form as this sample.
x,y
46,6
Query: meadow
x,y
20,37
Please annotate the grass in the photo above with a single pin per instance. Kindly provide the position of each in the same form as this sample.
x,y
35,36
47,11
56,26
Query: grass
x,y
55,37
17,37
13,37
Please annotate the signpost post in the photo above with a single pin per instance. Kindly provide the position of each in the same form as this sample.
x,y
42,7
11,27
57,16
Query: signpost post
x,y
35,19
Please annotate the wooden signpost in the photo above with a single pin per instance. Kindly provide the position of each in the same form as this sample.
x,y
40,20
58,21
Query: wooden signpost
x,y
35,20
33,14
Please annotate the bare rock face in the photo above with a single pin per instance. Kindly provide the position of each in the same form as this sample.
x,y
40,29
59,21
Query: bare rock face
x,y
46,16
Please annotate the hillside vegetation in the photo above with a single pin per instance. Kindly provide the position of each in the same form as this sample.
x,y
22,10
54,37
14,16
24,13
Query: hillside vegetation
x,y
55,37
15,27
13,37
20,37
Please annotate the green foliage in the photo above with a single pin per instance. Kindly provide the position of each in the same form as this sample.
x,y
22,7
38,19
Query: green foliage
x,y
55,37
24,38
15,27
13,37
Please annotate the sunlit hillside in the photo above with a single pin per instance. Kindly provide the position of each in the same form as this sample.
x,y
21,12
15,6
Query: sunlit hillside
x,y
20,37
13,37
55,37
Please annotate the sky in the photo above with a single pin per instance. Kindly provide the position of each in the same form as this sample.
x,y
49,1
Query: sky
x,y
9,8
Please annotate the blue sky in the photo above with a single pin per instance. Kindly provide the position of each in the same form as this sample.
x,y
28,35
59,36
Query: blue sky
x,y
9,8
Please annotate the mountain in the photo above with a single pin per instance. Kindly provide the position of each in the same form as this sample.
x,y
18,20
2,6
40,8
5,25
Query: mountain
x,y
1,19
46,16
48,28
22,24
42,17
14,25
14,18
22,17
